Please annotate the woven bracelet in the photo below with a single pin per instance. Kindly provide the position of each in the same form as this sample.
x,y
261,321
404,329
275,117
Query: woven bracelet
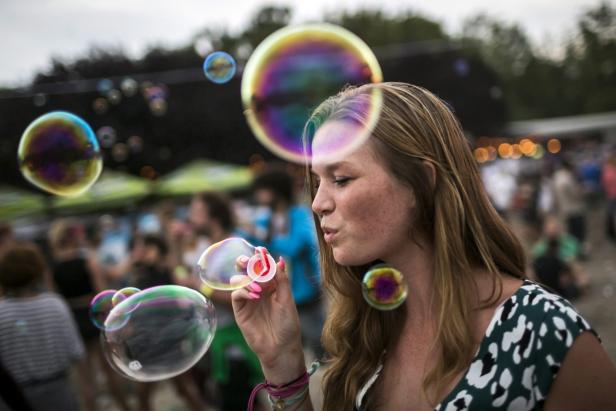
x,y
285,394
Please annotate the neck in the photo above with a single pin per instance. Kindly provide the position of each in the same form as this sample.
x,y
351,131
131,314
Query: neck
x,y
417,266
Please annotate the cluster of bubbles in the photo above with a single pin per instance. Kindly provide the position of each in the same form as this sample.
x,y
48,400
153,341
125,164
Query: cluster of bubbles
x,y
59,153
295,69
155,95
153,334
160,332
219,67
384,288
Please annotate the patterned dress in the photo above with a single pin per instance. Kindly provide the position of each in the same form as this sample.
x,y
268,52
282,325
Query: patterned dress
x,y
519,356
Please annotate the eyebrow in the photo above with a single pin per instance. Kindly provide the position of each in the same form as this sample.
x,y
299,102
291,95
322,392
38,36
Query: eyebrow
x,y
330,168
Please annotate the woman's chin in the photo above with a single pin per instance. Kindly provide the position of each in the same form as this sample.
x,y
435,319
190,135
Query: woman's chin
x,y
349,258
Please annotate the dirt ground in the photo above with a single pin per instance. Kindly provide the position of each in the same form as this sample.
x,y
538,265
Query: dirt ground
x,y
598,306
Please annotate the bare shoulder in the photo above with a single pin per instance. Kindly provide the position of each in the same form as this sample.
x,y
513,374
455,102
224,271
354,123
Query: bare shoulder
x,y
586,380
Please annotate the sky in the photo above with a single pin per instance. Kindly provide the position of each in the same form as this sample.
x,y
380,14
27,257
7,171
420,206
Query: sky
x,y
34,31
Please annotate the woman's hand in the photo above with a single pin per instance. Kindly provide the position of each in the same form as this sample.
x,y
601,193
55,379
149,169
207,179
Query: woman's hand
x,y
267,315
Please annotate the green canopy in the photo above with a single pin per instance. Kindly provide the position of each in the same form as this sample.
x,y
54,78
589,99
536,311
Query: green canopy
x,y
112,189
18,203
204,175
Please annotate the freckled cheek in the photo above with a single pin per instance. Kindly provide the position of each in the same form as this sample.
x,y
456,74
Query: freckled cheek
x,y
366,215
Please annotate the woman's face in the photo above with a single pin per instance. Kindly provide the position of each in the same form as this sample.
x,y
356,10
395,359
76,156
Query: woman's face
x,y
365,212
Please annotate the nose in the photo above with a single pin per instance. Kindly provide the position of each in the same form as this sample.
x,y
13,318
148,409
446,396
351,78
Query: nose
x,y
322,204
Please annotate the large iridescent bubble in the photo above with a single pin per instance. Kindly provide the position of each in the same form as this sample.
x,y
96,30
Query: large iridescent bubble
x,y
295,69
158,333
59,153
219,267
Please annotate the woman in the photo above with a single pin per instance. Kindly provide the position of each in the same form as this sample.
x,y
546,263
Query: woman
x,y
39,342
472,334
78,278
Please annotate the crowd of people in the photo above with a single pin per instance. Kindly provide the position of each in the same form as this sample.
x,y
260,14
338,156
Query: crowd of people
x,y
47,288
554,199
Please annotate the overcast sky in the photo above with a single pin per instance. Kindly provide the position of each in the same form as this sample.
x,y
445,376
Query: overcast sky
x,y
32,31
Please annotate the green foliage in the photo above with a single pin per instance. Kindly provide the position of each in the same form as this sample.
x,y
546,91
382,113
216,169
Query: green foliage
x,y
582,81
378,29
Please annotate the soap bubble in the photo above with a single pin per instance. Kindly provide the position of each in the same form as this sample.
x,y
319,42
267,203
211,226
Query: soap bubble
x,y
384,287
104,85
39,99
123,294
129,87
100,307
158,333
295,69
218,264
219,67
107,136
59,153
114,96
100,105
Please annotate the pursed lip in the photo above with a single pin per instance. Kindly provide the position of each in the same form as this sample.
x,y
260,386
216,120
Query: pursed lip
x,y
328,233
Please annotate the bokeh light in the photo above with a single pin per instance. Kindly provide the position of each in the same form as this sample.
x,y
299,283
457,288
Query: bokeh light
x,y
554,145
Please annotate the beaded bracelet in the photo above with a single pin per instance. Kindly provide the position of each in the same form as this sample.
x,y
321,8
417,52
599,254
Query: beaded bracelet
x,y
285,394
281,404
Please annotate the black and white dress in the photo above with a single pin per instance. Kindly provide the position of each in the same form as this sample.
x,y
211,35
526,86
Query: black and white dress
x,y
519,356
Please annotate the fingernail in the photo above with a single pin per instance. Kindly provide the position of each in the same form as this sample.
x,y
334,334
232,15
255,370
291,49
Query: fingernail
x,y
255,287
282,263
243,259
254,296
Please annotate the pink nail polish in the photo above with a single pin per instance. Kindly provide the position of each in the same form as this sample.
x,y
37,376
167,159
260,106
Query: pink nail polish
x,y
254,296
282,263
255,287
243,259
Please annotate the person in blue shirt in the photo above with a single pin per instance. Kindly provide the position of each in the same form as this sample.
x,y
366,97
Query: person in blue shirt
x,y
287,230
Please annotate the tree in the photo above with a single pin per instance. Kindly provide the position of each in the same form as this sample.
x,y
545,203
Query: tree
x,y
591,60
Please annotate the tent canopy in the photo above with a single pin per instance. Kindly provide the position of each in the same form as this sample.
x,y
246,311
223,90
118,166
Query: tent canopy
x,y
15,203
204,175
111,190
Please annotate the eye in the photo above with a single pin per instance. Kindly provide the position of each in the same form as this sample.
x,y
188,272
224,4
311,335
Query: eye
x,y
341,181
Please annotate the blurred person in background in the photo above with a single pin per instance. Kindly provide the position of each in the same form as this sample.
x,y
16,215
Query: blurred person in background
x,y
590,176
40,341
11,396
234,367
78,278
553,271
555,244
608,182
569,196
149,268
287,230
6,235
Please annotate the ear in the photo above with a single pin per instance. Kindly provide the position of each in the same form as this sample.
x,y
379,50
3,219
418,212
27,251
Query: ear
x,y
431,171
